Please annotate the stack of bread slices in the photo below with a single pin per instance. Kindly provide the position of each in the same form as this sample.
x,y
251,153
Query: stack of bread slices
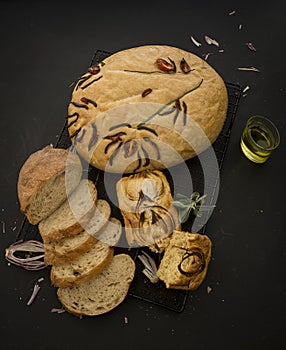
x,y
77,230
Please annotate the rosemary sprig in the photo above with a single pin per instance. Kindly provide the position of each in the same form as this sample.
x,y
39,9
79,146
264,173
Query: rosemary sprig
x,y
187,205
169,103
144,72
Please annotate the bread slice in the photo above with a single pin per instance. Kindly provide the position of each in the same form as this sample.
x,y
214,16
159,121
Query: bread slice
x,y
99,217
70,248
111,232
84,268
67,249
104,292
72,216
45,180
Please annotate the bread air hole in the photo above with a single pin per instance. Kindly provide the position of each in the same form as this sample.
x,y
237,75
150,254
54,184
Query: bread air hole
x,y
100,308
93,301
113,284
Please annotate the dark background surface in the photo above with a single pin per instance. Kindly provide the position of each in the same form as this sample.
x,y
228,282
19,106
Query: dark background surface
x,y
45,46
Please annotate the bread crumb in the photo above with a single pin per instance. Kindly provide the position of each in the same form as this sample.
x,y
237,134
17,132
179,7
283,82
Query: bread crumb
x,y
209,289
125,320
246,89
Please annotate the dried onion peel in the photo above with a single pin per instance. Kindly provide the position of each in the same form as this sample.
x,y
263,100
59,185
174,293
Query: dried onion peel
x,y
150,270
34,294
34,254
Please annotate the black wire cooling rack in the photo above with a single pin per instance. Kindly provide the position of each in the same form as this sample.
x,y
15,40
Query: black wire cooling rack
x,y
141,287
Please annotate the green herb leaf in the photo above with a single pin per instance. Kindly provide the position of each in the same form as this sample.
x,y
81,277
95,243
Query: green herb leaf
x,y
190,205
184,215
179,204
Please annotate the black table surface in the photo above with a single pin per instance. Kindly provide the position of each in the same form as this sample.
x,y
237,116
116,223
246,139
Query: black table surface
x,y
45,46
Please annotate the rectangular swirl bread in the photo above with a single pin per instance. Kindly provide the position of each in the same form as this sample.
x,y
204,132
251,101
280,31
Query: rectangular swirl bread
x,y
69,248
83,268
45,180
102,293
145,201
185,261
72,216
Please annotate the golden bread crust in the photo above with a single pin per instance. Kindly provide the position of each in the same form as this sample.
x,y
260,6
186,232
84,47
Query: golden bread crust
x,y
39,168
145,201
194,109
185,261
81,273
56,254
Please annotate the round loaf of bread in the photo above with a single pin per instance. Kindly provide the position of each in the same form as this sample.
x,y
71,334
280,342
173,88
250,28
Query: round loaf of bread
x,y
146,107
45,180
